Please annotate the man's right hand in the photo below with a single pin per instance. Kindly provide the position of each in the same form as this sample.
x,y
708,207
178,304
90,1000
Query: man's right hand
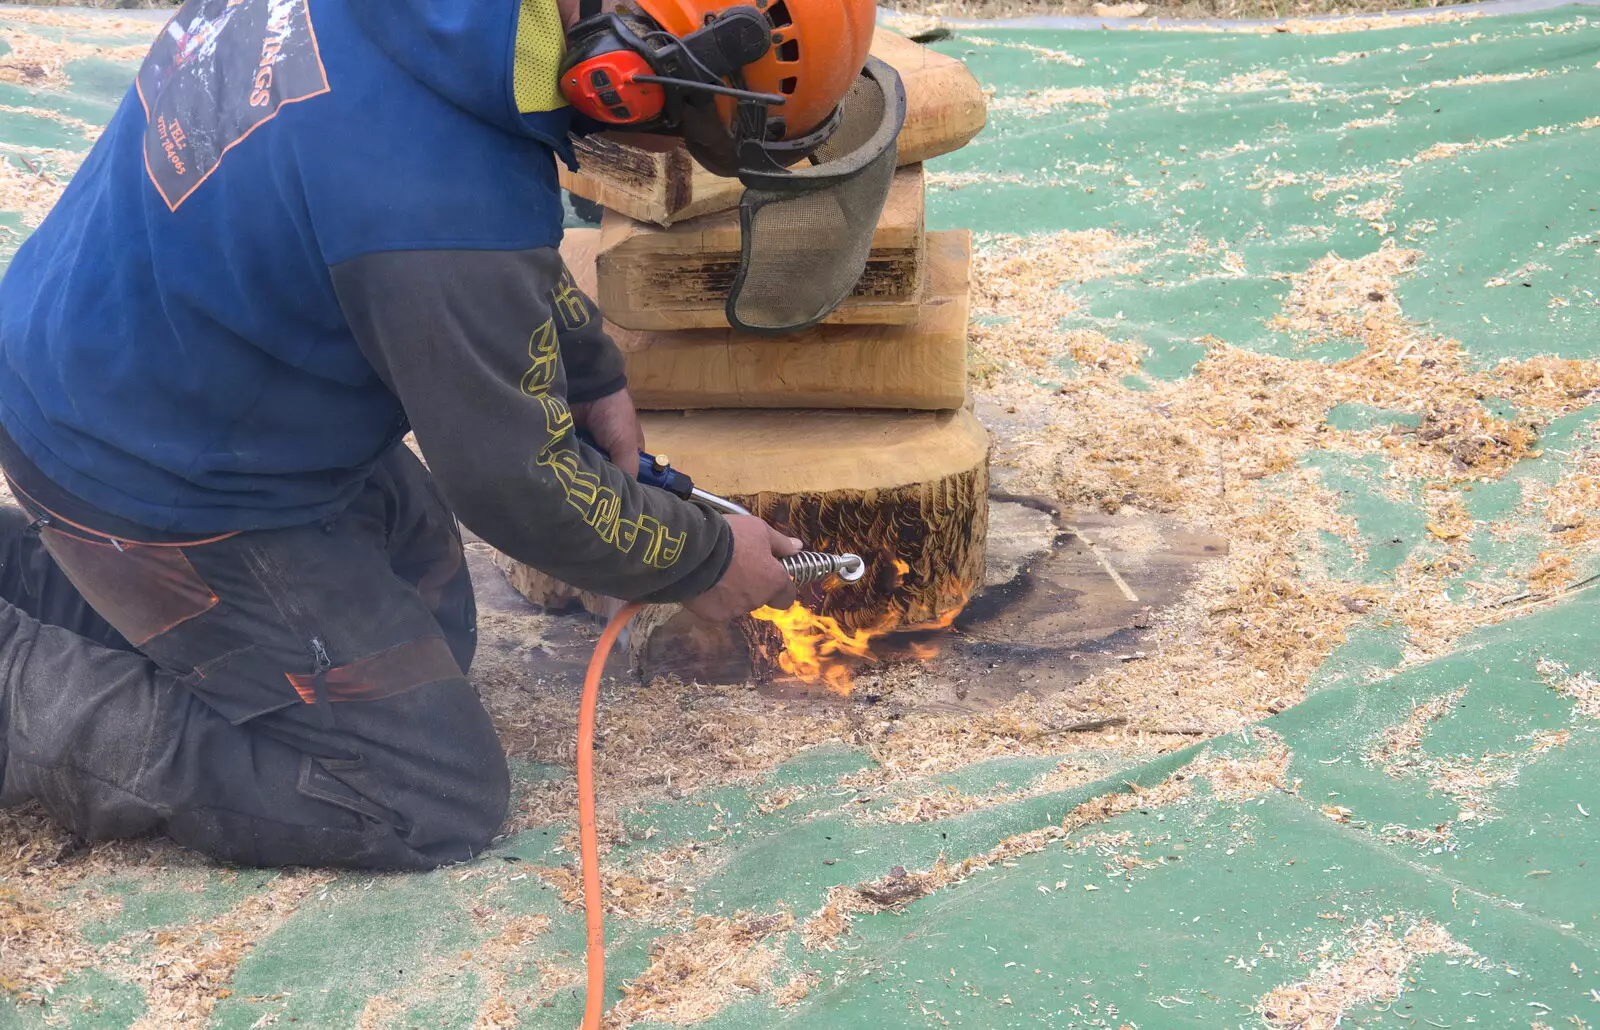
x,y
754,577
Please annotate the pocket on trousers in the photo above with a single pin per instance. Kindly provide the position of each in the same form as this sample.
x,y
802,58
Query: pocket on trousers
x,y
319,779
241,685
141,590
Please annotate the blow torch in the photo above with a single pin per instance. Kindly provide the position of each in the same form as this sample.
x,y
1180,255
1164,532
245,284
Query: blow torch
x,y
806,567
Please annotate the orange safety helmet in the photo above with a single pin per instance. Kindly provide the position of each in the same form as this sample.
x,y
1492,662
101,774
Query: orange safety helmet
x,y
818,49
667,65
755,88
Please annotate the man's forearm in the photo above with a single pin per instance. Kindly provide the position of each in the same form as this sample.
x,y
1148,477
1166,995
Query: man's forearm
x,y
470,341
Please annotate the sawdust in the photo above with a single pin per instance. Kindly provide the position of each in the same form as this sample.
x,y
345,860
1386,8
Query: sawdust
x,y
100,24
1470,781
1395,745
40,63
1337,297
1240,779
960,180
1371,971
1009,276
496,1011
1581,686
1042,101
379,1013
492,962
1444,151
1382,121
32,182
647,888
40,948
1358,23
796,990
659,741
899,887
41,944
694,975
1572,505
186,972
1196,447
90,130
948,802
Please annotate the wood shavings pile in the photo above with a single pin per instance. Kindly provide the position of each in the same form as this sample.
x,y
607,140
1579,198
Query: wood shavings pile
x,y
187,972
650,887
1005,270
899,887
1372,971
1469,781
1582,687
41,63
796,990
654,742
496,1011
1042,101
1336,297
946,802
1240,779
1198,447
694,975
31,183
1396,744
39,948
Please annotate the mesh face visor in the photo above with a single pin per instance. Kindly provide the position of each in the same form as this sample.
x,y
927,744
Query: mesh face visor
x,y
806,231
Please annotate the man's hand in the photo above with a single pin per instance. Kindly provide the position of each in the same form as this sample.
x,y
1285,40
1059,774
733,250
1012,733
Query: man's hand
x,y
614,424
754,577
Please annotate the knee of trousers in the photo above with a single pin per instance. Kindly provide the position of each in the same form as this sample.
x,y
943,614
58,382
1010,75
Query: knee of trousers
x,y
469,812
449,787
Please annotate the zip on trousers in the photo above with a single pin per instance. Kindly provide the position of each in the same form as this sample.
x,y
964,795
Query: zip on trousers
x,y
321,664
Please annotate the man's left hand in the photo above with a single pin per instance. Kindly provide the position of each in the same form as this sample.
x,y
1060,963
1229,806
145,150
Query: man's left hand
x,y
614,424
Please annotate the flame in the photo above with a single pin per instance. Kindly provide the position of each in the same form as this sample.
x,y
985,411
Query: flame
x,y
812,644
817,649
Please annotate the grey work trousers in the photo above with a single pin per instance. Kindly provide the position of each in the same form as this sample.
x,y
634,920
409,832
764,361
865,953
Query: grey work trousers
x,y
277,697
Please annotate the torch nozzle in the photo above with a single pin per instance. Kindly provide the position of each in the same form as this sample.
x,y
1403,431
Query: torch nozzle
x,y
811,566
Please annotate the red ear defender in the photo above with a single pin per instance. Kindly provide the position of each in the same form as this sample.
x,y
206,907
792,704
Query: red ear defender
x,y
598,79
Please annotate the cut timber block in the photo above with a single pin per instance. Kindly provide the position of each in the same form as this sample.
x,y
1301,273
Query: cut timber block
x,y
905,490
678,278
921,366
653,178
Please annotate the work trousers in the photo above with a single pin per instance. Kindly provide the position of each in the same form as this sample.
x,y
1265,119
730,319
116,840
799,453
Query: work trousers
x,y
277,697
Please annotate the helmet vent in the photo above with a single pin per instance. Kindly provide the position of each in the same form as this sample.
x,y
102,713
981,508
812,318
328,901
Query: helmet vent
x,y
778,15
790,51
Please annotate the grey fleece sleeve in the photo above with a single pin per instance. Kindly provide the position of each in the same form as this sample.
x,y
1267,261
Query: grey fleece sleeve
x,y
592,362
475,344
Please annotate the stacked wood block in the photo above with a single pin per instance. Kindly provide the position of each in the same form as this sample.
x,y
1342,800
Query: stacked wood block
x,y
854,434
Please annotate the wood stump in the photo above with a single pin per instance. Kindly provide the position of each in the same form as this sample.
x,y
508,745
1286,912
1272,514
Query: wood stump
x,y
905,490
653,178
648,277
920,366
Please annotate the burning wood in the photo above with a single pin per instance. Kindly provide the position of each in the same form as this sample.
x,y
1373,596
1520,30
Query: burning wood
x,y
816,649
905,490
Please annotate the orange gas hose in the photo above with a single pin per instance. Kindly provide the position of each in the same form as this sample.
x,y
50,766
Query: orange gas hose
x,y
588,836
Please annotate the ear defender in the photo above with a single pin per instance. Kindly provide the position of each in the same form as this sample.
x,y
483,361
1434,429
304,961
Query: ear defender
x,y
600,76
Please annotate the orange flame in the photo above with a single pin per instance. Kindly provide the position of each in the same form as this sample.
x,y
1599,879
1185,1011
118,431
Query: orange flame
x,y
812,644
817,649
